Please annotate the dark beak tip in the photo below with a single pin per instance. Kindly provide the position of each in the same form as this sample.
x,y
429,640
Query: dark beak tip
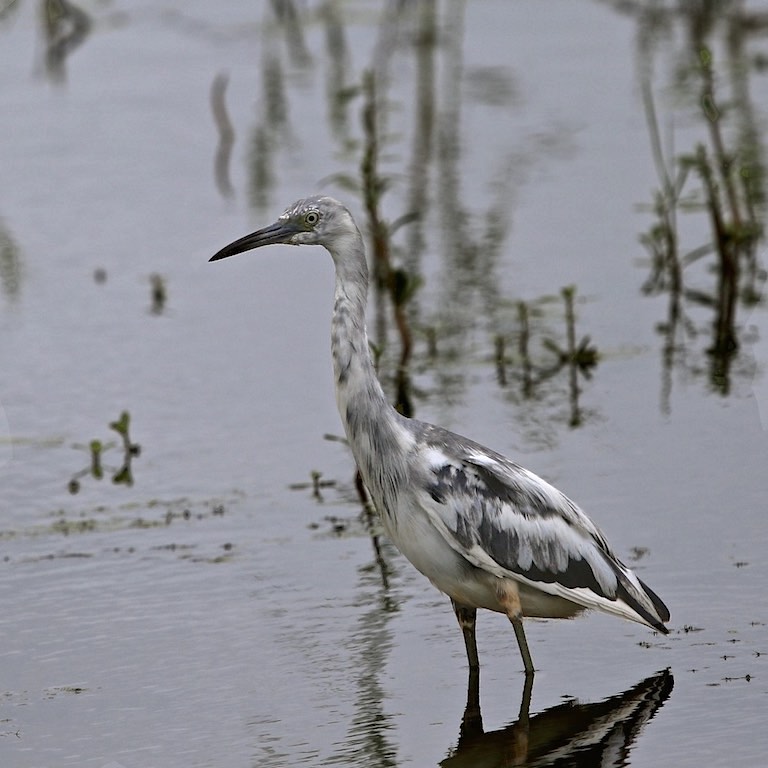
x,y
226,251
271,235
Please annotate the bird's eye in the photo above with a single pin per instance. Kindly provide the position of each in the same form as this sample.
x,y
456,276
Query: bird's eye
x,y
312,218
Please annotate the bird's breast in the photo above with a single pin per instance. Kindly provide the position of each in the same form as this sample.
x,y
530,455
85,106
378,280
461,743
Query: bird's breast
x,y
411,531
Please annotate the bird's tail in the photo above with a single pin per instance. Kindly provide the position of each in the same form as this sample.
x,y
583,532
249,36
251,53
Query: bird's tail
x,y
658,603
641,599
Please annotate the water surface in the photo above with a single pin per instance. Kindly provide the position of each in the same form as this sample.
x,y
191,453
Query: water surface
x,y
209,614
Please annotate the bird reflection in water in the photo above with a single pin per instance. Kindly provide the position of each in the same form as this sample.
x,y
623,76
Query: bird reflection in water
x,y
570,734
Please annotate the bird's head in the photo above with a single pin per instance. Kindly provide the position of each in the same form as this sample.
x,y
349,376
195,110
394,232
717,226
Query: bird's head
x,y
311,221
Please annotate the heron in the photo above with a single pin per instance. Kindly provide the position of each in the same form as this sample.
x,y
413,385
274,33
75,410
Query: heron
x,y
485,531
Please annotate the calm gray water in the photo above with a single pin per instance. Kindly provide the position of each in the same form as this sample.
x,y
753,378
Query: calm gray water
x,y
210,613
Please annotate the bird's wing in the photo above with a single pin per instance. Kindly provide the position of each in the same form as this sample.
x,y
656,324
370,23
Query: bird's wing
x,y
508,521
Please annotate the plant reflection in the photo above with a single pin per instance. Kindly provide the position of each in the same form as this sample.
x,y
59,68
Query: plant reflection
x,y
575,359
65,27
289,21
425,37
338,90
265,139
574,734
720,179
10,264
272,131
158,293
369,738
226,135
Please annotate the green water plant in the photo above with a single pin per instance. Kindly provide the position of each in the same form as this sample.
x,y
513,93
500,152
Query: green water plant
x,y
122,475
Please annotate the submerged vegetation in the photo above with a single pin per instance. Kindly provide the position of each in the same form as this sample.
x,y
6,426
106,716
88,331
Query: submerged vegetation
x,y
121,475
128,515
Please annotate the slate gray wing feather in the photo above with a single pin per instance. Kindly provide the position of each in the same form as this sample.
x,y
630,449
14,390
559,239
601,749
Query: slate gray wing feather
x,y
507,519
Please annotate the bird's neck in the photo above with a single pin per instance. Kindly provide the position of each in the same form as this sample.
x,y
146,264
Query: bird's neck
x,y
358,391
374,429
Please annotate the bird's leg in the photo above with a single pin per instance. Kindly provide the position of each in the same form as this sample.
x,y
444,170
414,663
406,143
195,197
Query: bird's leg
x,y
509,598
517,623
472,722
467,618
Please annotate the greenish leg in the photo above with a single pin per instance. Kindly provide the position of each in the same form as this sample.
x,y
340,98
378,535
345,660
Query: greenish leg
x,y
467,619
517,623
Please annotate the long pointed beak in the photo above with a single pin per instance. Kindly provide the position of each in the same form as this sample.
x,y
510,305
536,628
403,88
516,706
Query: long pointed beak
x,y
279,232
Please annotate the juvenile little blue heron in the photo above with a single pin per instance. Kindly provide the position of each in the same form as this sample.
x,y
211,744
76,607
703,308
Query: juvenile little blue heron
x,y
482,529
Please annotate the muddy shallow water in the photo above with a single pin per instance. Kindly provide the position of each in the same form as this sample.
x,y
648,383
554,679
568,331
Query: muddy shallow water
x,y
210,608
